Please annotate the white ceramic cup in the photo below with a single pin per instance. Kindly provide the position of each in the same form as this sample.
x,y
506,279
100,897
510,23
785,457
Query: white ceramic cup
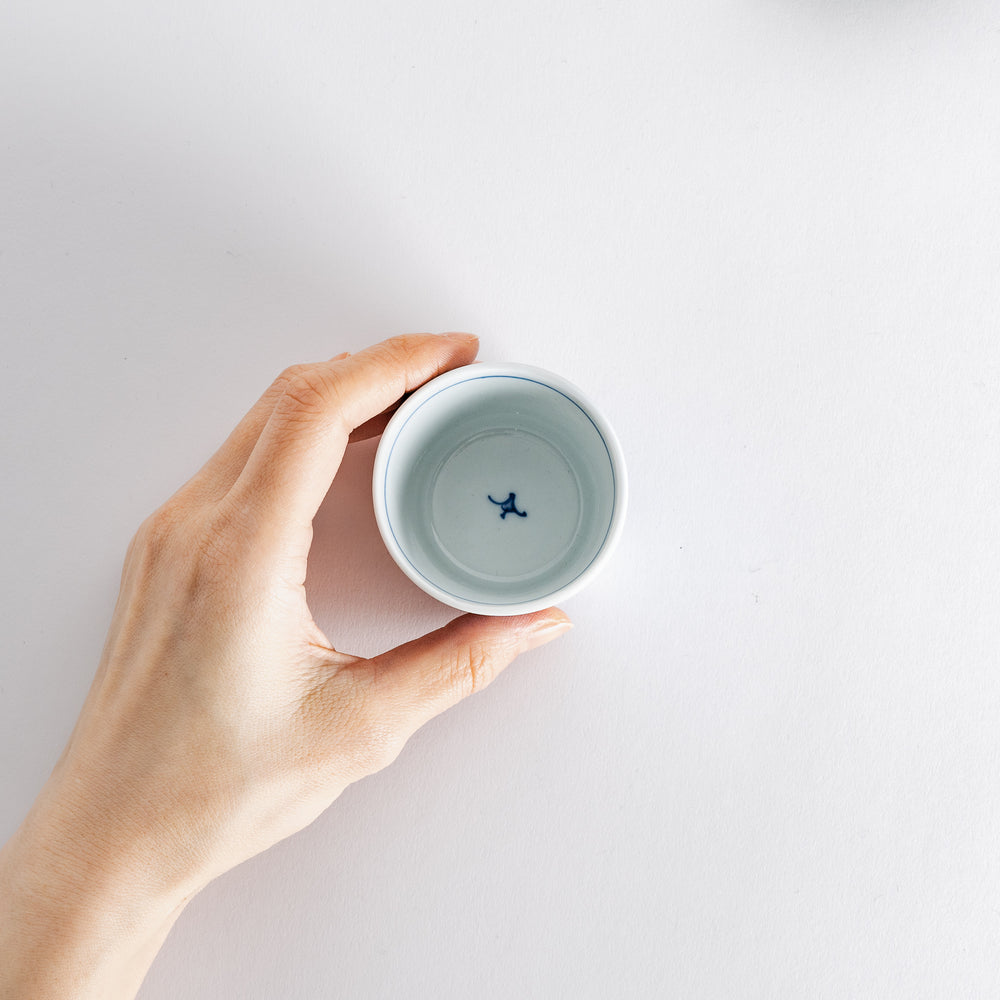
x,y
499,488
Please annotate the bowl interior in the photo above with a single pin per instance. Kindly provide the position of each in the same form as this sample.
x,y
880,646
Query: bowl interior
x,y
498,489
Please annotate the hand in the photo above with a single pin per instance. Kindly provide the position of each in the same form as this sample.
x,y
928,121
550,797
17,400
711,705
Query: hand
x,y
221,718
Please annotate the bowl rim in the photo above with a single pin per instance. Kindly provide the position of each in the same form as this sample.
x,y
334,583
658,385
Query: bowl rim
x,y
467,373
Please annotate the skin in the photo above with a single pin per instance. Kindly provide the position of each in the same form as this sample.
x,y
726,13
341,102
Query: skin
x,y
221,718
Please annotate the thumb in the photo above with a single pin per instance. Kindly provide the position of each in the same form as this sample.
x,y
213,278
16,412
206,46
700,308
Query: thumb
x,y
422,678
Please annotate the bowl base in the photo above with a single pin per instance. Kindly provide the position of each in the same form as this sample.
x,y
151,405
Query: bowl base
x,y
505,505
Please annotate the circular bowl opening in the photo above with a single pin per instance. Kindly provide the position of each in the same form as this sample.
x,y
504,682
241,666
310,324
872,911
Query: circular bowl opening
x,y
499,488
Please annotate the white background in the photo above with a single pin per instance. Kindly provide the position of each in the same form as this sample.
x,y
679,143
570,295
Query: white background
x,y
765,237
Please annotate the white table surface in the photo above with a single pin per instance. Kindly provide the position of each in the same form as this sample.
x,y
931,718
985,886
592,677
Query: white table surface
x,y
765,236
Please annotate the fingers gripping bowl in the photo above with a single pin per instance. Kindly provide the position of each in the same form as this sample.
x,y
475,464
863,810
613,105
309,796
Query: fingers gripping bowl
x,y
499,489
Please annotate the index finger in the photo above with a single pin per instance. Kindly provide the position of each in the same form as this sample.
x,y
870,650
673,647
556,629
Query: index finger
x,y
301,446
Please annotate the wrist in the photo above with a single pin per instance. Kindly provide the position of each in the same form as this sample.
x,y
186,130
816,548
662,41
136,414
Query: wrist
x,y
77,921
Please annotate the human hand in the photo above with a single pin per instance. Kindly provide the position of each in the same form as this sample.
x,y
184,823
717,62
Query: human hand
x,y
221,718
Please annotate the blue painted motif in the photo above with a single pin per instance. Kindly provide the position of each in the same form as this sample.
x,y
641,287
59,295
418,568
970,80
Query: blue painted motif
x,y
507,506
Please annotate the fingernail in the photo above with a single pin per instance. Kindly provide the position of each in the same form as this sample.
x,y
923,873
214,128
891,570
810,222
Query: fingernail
x,y
461,338
340,357
544,632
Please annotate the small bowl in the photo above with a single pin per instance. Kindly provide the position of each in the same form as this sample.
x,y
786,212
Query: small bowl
x,y
499,488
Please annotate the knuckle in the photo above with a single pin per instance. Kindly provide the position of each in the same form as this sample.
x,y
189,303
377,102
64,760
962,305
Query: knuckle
x,y
406,355
193,546
474,668
158,534
310,390
394,359
405,348
291,373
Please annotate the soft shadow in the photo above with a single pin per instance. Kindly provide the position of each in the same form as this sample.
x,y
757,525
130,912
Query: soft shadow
x,y
357,594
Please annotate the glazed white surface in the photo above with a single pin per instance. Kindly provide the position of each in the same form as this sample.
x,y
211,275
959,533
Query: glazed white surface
x,y
764,238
